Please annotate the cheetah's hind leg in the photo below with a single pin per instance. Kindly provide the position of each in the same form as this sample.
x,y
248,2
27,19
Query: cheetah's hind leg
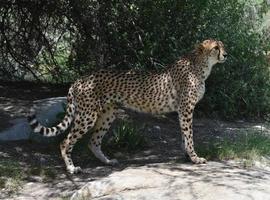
x,y
81,126
104,121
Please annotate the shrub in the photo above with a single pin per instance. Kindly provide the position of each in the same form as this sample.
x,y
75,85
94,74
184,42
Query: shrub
x,y
241,86
126,137
62,40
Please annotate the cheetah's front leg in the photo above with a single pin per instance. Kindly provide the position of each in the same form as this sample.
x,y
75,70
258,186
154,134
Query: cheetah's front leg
x,y
186,118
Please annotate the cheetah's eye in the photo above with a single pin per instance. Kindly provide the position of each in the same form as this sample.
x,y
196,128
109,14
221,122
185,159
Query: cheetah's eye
x,y
216,48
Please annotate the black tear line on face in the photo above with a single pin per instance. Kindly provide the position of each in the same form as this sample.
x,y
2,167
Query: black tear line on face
x,y
218,54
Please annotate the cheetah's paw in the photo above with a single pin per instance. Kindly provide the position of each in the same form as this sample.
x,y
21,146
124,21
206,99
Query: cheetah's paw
x,y
74,170
113,162
198,160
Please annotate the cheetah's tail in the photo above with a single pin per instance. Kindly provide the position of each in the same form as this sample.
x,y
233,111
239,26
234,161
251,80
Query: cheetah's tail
x,y
62,126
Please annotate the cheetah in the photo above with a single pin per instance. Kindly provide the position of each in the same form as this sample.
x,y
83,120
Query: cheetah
x,y
92,101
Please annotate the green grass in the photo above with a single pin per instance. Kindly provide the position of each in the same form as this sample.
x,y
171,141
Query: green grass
x,y
126,136
248,147
47,174
13,174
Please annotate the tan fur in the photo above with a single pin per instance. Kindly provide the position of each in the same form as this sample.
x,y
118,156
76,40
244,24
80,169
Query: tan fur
x,y
178,88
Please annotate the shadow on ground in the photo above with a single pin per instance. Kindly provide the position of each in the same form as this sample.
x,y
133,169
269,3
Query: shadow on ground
x,y
44,176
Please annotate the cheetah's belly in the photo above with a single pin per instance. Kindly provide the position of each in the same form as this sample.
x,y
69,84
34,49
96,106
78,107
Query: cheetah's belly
x,y
201,91
158,105
146,106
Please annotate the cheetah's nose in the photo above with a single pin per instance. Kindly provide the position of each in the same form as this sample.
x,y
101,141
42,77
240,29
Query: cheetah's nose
x,y
225,55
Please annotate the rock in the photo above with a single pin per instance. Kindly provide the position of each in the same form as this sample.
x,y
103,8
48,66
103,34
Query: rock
x,y
157,128
43,161
180,181
46,110
118,155
20,130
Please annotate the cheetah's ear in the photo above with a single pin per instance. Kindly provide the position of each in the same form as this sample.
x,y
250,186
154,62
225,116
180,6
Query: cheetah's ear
x,y
199,48
207,42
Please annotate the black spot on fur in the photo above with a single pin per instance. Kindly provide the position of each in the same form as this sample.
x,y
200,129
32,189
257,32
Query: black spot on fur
x,y
33,126
81,132
42,130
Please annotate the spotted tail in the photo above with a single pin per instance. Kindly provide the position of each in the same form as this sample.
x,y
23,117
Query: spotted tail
x,y
59,128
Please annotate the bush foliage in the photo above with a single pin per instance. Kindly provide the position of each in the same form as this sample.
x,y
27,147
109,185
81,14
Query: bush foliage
x,y
58,41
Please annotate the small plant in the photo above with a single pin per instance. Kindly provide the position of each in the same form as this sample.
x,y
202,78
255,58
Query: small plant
x,y
11,175
126,136
248,147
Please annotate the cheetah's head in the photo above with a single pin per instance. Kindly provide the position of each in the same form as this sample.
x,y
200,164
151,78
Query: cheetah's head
x,y
214,50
